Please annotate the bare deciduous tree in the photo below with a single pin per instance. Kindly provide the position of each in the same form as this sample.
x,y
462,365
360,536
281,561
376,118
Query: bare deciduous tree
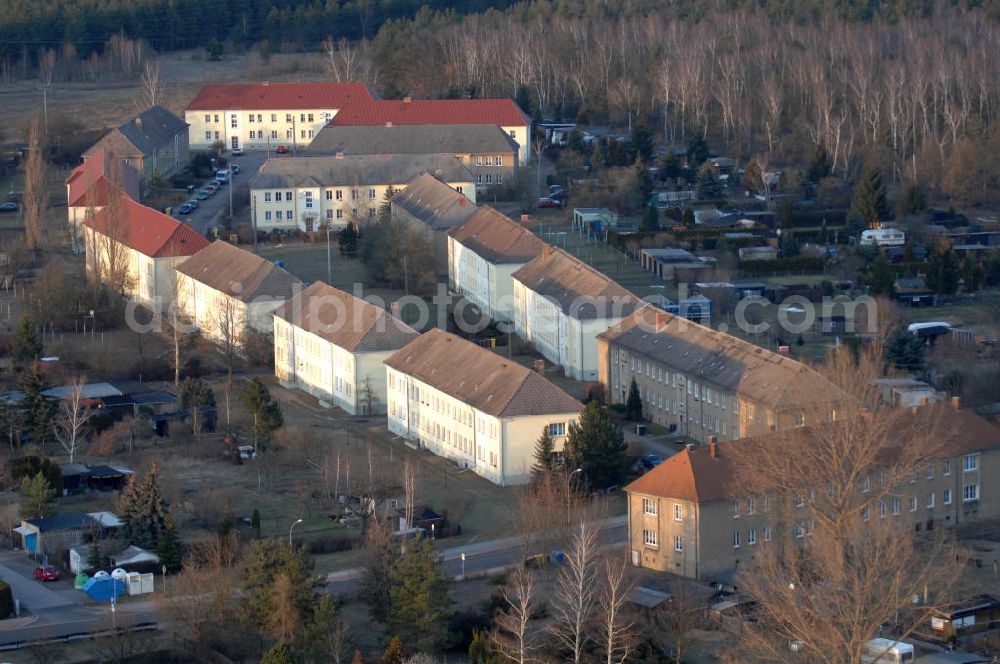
x,y
36,197
74,413
616,630
230,329
513,636
575,598
152,88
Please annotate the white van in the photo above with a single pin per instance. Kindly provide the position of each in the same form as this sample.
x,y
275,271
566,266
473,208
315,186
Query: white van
x,y
222,175
883,237
887,651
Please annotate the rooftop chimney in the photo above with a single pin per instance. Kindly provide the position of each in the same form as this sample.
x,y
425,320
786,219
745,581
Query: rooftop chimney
x,y
388,124
547,250
540,367
661,320
138,122
407,99
713,447
956,402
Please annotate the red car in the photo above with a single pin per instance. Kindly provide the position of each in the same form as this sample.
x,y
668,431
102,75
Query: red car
x,y
46,573
281,149
548,203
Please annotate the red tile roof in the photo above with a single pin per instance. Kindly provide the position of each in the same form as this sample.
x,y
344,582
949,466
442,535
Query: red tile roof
x,y
150,232
279,96
502,112
89,184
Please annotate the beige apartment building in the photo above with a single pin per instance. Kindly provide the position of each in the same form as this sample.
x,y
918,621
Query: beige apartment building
x,y
308,193
484,252
433,207
686,516
154,142
223,289
266,115
703,383
333,345
561,305
482,411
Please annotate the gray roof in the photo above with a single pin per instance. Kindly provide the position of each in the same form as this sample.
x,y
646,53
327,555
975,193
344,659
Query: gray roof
x,y
434,203
151,129
239,273
356,170
413,139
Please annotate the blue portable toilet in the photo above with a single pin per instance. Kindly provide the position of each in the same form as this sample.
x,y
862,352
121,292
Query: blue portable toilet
x,y
101,587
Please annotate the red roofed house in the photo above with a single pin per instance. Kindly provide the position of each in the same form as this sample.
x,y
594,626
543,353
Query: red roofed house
x,y
501,112
90,185
689,516
135,248
265,115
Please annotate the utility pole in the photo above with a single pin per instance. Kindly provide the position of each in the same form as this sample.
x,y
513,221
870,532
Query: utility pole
x,y
230,187
329,263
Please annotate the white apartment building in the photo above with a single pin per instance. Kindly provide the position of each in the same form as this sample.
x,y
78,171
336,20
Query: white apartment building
x,y
562,304
266,115
132,246
333,345
474,407
308,193
223,288
484,251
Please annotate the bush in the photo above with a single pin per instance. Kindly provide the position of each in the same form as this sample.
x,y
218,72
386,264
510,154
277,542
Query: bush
x,y
6,600
329,545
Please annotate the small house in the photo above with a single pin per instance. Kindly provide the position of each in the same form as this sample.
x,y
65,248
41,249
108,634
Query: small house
x,y
51,535
977,614
108,478
913,292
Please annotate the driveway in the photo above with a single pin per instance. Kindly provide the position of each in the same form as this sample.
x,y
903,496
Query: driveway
x,y
209,211
33,594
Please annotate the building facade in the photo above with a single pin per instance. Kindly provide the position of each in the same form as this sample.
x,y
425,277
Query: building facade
x,y
687,517
223,290
154,143
333,345
266,115
561,304
93,183
479,410
309,193
434,208
136,248
702,383
484,252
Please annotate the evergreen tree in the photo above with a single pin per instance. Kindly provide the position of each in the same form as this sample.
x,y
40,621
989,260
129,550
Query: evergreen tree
x,y
523,100
789,245
645,179
697,151
197,398
972,275
633,405
393,653
880,278
269,560
943,269
420,597
143,511
265,413
376,587
37,408
545,455
326,638
708,187
642,141
869,203
27,345
214,49
480,650
94,559
281,653
820,164
347,239
597,445
906,351
169,549
255,522
651,219
688,217
37,497
912,200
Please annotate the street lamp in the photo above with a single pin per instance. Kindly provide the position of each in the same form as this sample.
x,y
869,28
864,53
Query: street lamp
x,y
290,531
463,565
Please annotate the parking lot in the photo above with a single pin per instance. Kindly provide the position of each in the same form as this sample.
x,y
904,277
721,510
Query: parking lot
x,y
208,212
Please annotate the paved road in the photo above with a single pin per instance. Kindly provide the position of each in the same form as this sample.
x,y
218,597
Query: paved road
x,y
480,558
209,211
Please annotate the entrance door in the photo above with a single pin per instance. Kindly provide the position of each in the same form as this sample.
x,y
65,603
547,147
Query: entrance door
x,y
236,142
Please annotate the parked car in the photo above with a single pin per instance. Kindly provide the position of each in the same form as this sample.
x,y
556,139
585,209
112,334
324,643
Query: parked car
x,y
184,209
193,203
237,152
46,573
236,168
281,149
651,461
556,190
211,188
8,207
546,202
202,195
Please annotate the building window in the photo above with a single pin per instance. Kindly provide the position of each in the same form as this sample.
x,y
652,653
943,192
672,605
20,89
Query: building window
x,y
267,216
557,429
752,537
267,197
371,213
649,506
253,134
329,194
930,500
946,468
736,509
678,543
371,194
289,134
288,195
767,503
274,133
930,471
499,178
479,178
302,117
339,195
479,161
913,504
289,215
678,512
250,119
329,214
340,214
489,178
649,537
302,133
799,532
310,116
232,121
309,199
208,118
970,463
799,501
865,513
458,189
208,135
800,420
946,497
895,506
736,539
970,493
274,117
866,484
767,533
489,160
499,160
288,117
260,118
